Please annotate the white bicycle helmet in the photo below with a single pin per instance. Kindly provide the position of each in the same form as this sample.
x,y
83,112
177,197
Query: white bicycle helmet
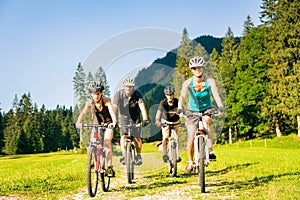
x,y
95,87
128,81
197,62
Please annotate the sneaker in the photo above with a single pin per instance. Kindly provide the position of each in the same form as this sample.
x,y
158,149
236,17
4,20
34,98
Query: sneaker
x,y
189,168
138,160
122,160
212,156
178,159
110,171
165,158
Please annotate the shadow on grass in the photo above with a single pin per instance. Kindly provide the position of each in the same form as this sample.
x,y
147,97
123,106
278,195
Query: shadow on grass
x,y
155,181
161,179
252,183
230,168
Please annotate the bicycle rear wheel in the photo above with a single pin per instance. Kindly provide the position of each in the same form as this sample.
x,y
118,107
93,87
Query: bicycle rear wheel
x,y
105,180
129,162
201,171
91,173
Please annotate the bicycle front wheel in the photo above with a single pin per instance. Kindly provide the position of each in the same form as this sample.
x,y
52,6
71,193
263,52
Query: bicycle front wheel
x,y
129,162
201,171
91,172
105,180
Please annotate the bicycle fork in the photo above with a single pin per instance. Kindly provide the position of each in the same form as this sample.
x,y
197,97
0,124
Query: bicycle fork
x,y
96,139
202,137
201,144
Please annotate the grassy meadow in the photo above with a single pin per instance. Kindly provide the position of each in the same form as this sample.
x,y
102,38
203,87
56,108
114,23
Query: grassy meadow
x,y
257,169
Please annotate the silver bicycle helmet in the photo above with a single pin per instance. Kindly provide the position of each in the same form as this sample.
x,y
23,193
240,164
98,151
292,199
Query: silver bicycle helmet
x,y
128,81
196,62
169,90
95,87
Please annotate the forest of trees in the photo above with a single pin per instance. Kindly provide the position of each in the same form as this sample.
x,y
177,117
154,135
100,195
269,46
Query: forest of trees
x,y
27,129
257,74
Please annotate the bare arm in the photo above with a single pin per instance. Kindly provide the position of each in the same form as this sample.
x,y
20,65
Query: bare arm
x,y
115,108
157,116
183,93
215,93
82,114
111,111
144,111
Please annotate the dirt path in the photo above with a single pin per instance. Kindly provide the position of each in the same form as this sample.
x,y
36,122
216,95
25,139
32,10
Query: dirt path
x,y
119,190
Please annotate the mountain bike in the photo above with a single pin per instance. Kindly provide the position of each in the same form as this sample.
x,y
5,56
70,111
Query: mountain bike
x,y
130,150
201,145
96,162
172,146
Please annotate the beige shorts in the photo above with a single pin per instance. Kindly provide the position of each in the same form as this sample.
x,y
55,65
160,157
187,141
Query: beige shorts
x,y
165,130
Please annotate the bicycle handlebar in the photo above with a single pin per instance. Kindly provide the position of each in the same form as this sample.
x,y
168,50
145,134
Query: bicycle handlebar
x,y
88,126
190,114
167,123
130,125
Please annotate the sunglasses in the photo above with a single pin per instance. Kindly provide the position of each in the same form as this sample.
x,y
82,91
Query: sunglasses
x,y
195,68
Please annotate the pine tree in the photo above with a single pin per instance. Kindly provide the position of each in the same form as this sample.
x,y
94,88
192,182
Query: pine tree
x,y
80,87
23,115
250,84
10,133
1,131
185,51
101,76
267,15
248,25
228,72
284,73
213,68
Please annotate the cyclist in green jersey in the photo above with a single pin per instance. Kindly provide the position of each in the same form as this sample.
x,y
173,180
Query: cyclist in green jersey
x,y
199,88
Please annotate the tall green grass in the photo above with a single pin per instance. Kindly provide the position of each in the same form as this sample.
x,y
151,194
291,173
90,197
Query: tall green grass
x,y
41,175
247,170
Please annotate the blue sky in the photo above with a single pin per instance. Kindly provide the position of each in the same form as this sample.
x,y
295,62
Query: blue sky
x,y
42,42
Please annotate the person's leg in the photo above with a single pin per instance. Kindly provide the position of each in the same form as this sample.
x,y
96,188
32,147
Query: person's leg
x,y
176,129
122,143
138,145
206,124
190,146
165,134
108,135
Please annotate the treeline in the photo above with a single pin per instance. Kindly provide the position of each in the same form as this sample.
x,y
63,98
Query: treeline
x,y
26,129
257,74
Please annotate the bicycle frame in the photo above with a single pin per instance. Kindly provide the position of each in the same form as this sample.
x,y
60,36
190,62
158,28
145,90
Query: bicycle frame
x,y
201,146
96,159
97,141
172,146
201,137
130,150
